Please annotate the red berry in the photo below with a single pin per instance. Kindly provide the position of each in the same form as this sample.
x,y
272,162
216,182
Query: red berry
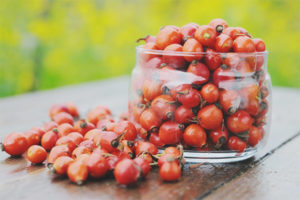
x,y
210,93
239,122
170,171
194,136
49,139
243,44
164,106
15,144
200,71
213,59
255,136
149,120
259,44
143,164
171,60
168,35
170,132
151,89
188,30
210,117
127,128
230,101
97,165
126,172
224,43
183,115
206,35
192,45
36,154
63,117
235,143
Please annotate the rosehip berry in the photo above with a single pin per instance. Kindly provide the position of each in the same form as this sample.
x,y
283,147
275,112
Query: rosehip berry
x,y
192,45
33,137
67,141
243,44
239,122
63,117
172,60
49,139
230,101
149,120
64,129
224,43
15,144
212,59
206,35
170,171
151,89
255,136
99,112
144,165
77,172
61,164
259,44
183,115
126,172
210,117
219,136
200,71
56,152
164,106
97,165
146,147
82,127
194,136
127,128
168,35
36,154
235,143
171,132
188,30
210,93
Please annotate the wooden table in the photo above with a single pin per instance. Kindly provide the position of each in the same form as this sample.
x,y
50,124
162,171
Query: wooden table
x,y
272,174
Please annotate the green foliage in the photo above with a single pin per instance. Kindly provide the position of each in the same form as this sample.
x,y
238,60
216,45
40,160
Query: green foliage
x,y
49,43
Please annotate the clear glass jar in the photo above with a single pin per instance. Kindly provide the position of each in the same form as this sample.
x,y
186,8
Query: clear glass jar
x,y
217,105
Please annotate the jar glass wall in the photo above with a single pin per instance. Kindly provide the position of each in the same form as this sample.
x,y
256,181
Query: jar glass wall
x,y
217,105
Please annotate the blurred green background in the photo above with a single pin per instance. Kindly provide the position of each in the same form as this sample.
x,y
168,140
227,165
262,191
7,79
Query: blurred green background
x,y
50,43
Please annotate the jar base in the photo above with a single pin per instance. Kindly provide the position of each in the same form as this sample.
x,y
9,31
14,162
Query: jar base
x,y
227,156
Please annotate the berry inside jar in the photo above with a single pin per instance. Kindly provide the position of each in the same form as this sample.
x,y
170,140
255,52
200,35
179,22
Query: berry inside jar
x,y
205,87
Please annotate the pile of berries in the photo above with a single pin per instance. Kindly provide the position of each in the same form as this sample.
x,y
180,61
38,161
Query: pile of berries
x,y
201,86
94,147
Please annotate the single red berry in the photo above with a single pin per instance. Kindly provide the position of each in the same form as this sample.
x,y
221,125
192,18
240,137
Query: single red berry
x,y
239,122
151,89
64,129
224,43
219,136
210,93
68,141
61,164
127,128
170,171
147,147
210,117
223,78
206,35
188,30
213,60
243,44
49,139
193,47
15,144
82,126
164,106
218,22
36,154
235,143
230,101
200,71
155,139
194,136
97,165
172,60
78,172
33,137
63,117
171,132
255,136
259,44
183,114
168,35
149,120
126,172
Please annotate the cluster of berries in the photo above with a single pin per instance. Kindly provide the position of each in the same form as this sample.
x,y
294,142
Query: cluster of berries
x,y
201,86
94,147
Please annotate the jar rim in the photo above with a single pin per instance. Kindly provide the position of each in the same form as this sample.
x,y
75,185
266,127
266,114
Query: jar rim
x,y
140,49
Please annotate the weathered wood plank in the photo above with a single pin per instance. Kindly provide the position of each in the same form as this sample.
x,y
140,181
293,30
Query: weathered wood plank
x,y
18,179
276,177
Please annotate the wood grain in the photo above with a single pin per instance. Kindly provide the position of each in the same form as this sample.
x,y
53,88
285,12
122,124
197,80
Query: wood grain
x,y
276,177
18,179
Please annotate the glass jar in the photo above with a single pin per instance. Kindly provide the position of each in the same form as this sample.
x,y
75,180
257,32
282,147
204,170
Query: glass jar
x,y
217,105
